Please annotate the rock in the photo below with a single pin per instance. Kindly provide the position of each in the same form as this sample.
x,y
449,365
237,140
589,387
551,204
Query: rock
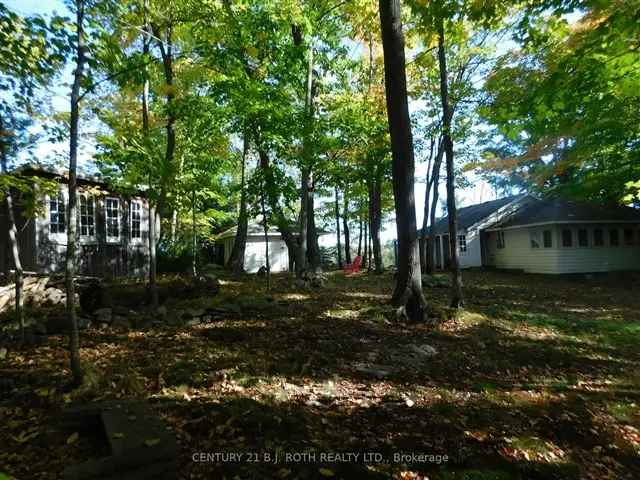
x,y
193,322
423,350
3,353
196,312
54,296
103,315
206,318
103,326
318,281
378,371
83,323
121,323
234,308
39,328
57,324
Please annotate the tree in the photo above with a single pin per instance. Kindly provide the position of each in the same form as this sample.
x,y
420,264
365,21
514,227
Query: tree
x,y
31,52
447,114
72,214
407,294
236,260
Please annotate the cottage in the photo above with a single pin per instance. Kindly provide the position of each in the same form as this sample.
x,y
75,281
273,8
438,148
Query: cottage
x,y
255,251
112,230
543,236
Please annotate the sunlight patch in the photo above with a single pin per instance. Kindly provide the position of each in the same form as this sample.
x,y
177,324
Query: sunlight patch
x,y
533,449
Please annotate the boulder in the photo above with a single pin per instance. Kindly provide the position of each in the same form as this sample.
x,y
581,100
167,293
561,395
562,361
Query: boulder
x,y
3,353
103,315
193,322
121,323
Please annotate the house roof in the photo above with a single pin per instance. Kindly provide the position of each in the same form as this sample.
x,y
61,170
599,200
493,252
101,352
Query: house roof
x,y
83,178
472,214
254,228
540,211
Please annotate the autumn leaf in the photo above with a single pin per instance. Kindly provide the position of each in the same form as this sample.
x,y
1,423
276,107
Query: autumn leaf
x,y
73,438
325,472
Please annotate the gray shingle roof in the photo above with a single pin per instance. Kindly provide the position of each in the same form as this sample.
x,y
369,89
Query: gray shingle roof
x,y
555,210
472,214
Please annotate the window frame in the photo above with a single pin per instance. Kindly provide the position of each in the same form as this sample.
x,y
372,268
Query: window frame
x,y
111,238
500,241
586,237
462,244
632,238
549,236
139,220
595,238
60,198
563,238
88,237
617,236
534,239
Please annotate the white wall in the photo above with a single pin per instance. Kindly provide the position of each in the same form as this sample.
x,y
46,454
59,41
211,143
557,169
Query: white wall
x,y
254,254
518,253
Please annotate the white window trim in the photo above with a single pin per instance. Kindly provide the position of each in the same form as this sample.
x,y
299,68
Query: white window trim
x,y
87,238
588,245
131,237
604,237
108,238
538,236
460,246
574,238
550,237
57,237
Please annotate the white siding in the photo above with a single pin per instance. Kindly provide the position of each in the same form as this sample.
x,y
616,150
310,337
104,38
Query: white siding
x,y
473,256
518,253
254,254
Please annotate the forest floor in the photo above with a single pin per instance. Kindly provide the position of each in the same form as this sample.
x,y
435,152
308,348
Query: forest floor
x,y
539,378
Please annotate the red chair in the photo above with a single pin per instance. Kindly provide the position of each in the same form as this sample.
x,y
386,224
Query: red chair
x,y
353,267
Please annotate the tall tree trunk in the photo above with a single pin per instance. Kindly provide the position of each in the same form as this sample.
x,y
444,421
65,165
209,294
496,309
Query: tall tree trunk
x,y
306,168
313,248
365,257
266,237
407,295
236,260
435,184
338,228
174,225
166,52
72,217
345,223
13,236
194,237
456,276
359,235
425,216
370,251
375,214
146,40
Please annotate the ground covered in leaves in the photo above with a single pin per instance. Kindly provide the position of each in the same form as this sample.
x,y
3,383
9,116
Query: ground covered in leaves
x,y
538,378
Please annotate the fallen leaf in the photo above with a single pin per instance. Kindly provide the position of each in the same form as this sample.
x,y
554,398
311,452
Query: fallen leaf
x,y
325,472
151,442
73,438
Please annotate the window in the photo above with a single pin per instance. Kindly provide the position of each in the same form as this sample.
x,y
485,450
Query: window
x,y
567,238
136,219
548,239
87,216
462,243
500,239
113,223
614,239
534,237
598,237
583,237
57,222
628,236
